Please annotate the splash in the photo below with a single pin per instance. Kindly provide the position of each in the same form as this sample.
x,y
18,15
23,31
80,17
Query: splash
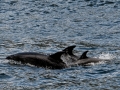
x,y
107,56
66,59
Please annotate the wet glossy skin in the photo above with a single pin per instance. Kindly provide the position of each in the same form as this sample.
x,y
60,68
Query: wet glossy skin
x,y
84,60
50,61
59,60
87,61
53,61
69,56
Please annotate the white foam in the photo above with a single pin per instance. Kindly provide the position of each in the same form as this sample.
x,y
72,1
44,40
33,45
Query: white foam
x,y
107,56
66,59
100,62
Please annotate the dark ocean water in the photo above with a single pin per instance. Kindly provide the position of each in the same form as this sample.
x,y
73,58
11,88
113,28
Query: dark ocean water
x,y
49,26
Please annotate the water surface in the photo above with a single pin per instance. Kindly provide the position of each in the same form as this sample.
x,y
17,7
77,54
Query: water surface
x,y
49,26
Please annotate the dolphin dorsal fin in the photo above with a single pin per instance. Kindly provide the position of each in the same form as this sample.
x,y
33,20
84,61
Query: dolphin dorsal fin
x,y
83,56
69,49
56,57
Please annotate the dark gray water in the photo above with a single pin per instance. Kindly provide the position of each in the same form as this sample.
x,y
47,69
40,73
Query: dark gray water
x,y
48,26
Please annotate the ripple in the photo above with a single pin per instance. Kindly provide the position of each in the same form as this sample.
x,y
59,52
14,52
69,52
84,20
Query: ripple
x,y
99,2
4,76
48,26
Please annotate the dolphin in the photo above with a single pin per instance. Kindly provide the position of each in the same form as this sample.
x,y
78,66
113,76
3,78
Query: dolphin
x,y
69,53
69,50
52,61
68,57
85,60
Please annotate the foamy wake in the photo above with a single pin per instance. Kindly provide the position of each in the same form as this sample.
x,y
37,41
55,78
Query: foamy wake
x,y
104,56
107,56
